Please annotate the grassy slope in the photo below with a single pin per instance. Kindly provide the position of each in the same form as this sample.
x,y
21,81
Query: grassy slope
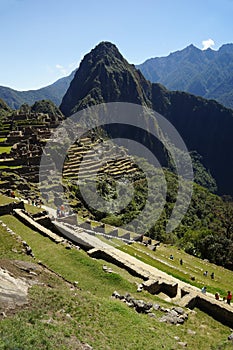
x,y
6,199
89,314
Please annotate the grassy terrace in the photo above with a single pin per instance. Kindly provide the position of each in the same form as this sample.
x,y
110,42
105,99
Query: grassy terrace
x,y
6,200
29,208
5,149
13,167
59,317
192,267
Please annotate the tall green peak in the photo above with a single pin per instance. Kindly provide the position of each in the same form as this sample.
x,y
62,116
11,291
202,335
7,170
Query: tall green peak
x,y
104,75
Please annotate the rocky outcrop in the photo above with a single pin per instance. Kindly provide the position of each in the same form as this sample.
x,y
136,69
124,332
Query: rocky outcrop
x,y
175,315
16,277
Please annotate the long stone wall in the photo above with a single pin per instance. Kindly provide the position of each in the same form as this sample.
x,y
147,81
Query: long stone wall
x,y
27,220
217,309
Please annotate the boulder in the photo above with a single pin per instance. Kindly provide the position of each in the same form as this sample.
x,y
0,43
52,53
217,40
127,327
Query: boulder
x,y
182,343
179,310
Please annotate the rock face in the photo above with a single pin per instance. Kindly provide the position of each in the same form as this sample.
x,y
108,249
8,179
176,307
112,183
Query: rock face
x,y
15,282
206,126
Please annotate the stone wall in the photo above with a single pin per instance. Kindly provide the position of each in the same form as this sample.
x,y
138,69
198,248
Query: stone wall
x,y
27,220
217,309
157,286
7,209
70,219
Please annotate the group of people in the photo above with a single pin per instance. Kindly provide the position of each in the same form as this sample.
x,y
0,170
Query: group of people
x,y
35,201
228,298
206,274
62,211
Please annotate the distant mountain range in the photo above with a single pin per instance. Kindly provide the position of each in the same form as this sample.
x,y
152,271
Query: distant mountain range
x,y
207,73
205,126
53,92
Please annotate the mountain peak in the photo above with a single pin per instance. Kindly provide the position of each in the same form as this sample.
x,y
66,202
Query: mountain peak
x,y
191,47
226,48
106,47
104,75
102,50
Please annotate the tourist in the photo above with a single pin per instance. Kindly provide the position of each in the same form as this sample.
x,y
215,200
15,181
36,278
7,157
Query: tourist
x,y
203,290
217,296
58,212
181,261
205,273
212,275
171,257
62,210
229,297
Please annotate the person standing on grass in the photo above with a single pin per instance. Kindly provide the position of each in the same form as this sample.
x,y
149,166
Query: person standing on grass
x,y
229,297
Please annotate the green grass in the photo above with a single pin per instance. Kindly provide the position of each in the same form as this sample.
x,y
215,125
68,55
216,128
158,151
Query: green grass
x,y
32,209
68,263
13,167
6,200
29,208
3,139
192,266
5,149
59,317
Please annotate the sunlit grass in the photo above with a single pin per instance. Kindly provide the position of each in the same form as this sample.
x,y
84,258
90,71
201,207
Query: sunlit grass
x,y
60,317
5,149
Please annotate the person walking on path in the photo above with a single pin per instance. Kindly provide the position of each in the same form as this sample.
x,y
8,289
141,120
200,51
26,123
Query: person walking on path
x,y
203,290
229,297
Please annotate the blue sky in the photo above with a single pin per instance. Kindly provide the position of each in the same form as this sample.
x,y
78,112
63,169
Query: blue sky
x,y
43,40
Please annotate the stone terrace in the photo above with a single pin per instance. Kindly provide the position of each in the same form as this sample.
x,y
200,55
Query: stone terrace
x,y
95,159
